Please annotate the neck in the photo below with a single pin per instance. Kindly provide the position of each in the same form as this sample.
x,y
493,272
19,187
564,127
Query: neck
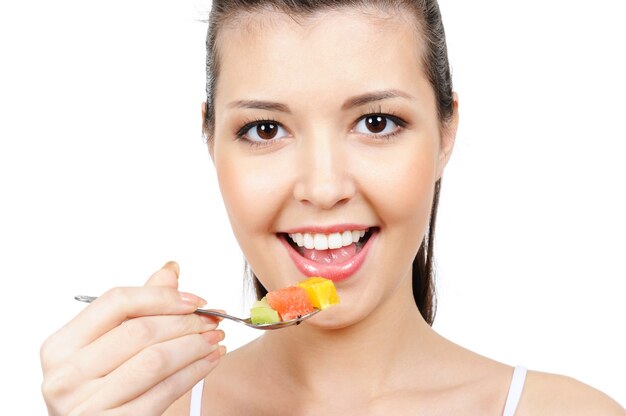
x,y
375,351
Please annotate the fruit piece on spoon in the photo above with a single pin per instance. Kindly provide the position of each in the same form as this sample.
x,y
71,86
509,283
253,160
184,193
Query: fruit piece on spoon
x,y
261,313
290,302
294,301
321,291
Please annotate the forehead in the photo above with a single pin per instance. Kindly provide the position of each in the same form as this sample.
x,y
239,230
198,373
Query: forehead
x,y
271,52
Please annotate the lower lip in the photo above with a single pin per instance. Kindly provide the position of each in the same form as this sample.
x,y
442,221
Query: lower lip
x,y
336,271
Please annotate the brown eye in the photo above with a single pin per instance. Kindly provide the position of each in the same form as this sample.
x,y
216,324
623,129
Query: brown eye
x,y
375,124
266,131
378,125
262,131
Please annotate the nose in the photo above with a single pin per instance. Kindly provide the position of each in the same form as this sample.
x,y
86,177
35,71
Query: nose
x,y
324,177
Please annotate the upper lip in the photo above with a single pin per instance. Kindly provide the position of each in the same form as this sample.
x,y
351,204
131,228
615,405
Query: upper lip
x,y
327,229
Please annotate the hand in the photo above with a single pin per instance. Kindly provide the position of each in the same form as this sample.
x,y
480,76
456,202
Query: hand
x,y
133,351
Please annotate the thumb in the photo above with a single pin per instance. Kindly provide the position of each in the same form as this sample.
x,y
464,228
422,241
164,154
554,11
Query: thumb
x,y
166,276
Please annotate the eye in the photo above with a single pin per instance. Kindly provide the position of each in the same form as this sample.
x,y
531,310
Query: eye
x,y
262,131
377,124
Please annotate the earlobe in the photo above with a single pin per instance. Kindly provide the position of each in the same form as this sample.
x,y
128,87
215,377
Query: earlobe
x,y
448,137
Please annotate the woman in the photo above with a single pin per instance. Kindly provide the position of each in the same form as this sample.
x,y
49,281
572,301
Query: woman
x,y
322,118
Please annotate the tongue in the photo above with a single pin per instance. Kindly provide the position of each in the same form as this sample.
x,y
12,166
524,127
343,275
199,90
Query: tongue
x,y
330,256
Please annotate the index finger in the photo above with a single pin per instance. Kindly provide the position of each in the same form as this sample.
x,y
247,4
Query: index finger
x,y
113,308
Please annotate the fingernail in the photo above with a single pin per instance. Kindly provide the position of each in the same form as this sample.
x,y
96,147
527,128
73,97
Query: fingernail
x,y
213,337
211,320
190,299
222,350
214,356
219,318
173,266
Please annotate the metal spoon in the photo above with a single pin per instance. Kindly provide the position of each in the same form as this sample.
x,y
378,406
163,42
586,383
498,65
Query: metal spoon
x,y
246,321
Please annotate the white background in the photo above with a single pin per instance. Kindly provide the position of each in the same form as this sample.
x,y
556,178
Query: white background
x,y
104,177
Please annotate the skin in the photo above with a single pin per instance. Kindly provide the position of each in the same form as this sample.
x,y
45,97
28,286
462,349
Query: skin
x,y
323,172
373,354
132,351
136,350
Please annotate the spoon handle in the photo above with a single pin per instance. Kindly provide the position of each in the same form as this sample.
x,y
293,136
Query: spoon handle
x,y
211,312
86,299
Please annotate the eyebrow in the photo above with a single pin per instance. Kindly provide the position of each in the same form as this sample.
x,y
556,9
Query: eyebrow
x,y
351,102
260,105
369,97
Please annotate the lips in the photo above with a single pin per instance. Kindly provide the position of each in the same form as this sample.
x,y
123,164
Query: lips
x,y
335,264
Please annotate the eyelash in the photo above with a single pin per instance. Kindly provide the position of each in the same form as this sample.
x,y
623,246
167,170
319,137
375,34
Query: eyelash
x,y
241,133
378,111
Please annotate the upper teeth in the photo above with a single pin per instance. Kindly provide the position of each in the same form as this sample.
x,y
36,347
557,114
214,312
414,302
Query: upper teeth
x,y
326,241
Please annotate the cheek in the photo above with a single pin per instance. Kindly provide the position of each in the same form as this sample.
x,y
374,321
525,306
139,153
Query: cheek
x,y
255,190
252,189
403,186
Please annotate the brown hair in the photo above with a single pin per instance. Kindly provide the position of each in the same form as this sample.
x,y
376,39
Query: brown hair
x,y
437,68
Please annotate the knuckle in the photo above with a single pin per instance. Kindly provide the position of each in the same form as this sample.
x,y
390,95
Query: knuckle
x,y
50,389
52,351
162,295
167,296
166,388
155,360
45,353
142,329
118,295
192,324
58,384
53,387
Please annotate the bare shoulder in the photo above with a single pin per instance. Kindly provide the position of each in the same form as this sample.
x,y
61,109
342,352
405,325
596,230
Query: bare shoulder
x,y
554,394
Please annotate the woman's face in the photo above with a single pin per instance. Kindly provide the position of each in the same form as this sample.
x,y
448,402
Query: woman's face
x,y
326,129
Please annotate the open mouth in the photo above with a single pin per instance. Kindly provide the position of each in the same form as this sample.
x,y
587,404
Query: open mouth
x,y
334,248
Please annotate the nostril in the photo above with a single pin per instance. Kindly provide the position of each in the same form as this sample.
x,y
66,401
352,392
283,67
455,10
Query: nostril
x,y
324,173
324,195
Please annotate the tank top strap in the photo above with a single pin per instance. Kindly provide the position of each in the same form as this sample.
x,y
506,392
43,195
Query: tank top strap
x,y
195,404
515,391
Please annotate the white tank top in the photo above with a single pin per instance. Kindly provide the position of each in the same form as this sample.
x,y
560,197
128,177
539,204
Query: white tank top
x,y
512,399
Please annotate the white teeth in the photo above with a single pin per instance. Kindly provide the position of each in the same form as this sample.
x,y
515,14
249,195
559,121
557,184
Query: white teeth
x,y
308,241
319,241
334,240
346,238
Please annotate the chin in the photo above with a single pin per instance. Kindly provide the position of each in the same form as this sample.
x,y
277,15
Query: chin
x,y
336,317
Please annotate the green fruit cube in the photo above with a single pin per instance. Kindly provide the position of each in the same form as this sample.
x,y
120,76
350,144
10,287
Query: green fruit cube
x,y
262,313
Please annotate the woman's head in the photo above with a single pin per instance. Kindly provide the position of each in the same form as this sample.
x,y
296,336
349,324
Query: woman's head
x,y
425,13
332,117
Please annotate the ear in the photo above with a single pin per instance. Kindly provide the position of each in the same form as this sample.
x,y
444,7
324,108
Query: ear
x,y
205,133
448,137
